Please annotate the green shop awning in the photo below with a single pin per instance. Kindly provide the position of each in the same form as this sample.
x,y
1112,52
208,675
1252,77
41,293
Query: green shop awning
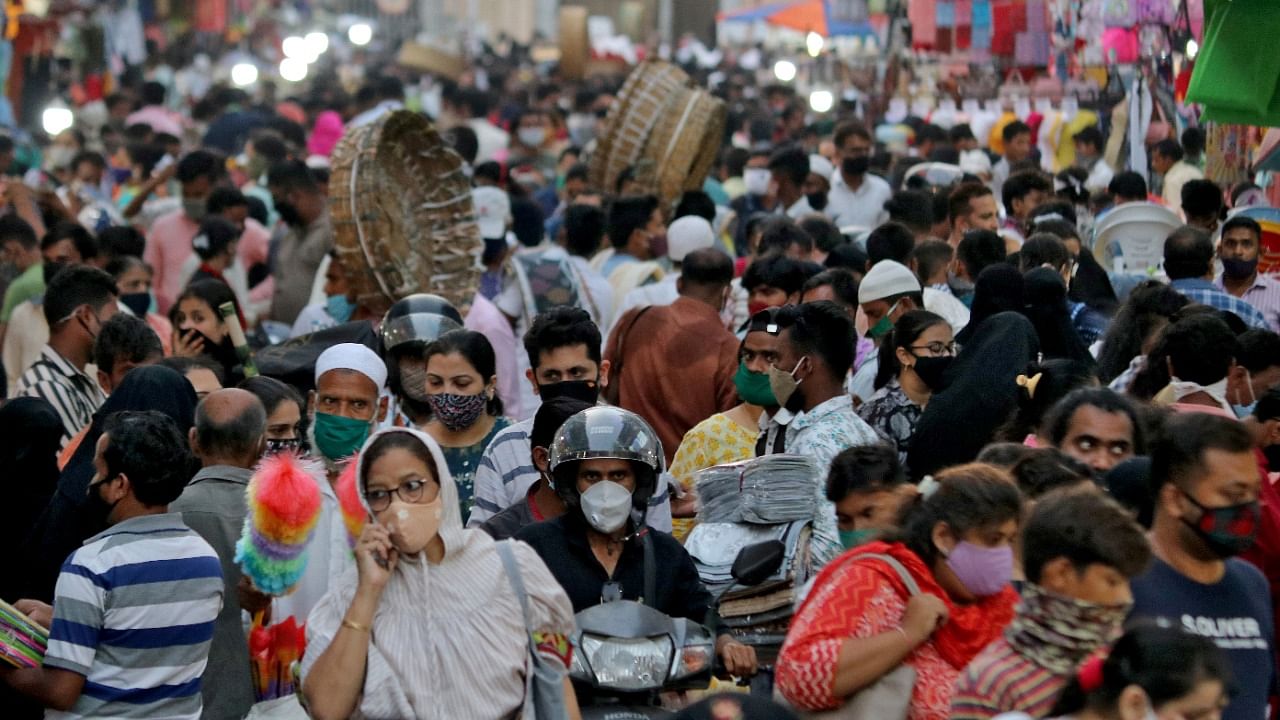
x,y
1238,68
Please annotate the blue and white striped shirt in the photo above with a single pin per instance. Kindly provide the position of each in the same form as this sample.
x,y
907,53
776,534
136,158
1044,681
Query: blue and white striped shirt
x,y
133,613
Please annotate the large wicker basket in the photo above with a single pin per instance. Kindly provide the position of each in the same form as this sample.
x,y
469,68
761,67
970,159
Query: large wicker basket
x,y
402,214
664,127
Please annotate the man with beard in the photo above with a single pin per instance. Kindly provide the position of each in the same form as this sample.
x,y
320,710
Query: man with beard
x,y
1239,250
816,419
343,411
1206,484
303,207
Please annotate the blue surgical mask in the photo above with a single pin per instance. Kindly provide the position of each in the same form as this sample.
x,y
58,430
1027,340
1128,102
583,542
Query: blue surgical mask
x,y
1244,411
339,308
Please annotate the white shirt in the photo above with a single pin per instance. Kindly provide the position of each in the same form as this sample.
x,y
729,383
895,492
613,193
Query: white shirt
x,y
948,306
1099,176
489,139
999,173
598,291
662,292
375,112
863,207
799,208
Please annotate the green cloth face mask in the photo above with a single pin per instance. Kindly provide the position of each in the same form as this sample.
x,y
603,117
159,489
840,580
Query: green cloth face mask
x,y
339,437
881,328
853,538
753,387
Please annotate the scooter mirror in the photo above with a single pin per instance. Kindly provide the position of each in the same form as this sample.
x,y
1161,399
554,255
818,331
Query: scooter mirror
x,y
756,563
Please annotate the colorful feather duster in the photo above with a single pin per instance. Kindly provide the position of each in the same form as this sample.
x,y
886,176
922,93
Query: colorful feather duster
x,y
354,513
284,507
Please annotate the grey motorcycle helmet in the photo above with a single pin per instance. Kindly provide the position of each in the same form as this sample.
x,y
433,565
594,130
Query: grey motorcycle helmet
x,y
606,432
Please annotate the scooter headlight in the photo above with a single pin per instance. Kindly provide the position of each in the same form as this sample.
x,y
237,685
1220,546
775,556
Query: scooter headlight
x,y
627,664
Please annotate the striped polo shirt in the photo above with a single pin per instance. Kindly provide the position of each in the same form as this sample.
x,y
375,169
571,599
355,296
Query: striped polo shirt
x,y
133,612
72,393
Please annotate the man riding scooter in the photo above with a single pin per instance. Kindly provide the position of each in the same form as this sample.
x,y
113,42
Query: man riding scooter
x,y
605,462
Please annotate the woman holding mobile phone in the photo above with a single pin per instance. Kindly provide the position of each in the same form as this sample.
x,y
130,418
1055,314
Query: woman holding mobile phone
x,y
406,636
198,327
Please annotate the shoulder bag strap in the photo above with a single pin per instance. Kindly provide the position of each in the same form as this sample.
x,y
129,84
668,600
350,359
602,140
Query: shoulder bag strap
x,y
913,588
615,372
516,579
650,572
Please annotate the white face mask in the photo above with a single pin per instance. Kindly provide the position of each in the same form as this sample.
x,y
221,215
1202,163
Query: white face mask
x,y
532,136
606,506
756,180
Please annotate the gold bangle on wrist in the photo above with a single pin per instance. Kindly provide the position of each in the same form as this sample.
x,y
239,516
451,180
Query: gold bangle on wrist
x,y
355,625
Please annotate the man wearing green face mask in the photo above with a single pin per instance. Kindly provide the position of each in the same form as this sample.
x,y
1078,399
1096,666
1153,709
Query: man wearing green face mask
x,y
346,404
729,436
887,292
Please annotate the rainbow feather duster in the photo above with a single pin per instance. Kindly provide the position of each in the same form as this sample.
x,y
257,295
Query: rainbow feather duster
x,y
354,514
284,507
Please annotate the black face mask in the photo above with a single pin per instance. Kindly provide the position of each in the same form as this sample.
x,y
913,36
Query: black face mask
x,y
97,510
289,213
932,369
50,269
855,165
817,200
588,391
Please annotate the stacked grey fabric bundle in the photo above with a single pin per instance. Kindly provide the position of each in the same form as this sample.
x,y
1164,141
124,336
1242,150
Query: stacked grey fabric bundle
x,y
764,490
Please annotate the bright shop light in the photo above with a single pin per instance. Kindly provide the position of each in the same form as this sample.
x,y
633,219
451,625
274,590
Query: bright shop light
x,y
360,34
293,69
244,74
784,70
821,100
56,119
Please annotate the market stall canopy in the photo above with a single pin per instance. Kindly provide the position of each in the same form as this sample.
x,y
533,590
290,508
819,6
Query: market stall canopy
x,y
1237,71
805,16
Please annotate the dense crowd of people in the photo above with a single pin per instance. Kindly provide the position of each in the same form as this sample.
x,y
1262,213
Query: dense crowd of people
x,y
1043,487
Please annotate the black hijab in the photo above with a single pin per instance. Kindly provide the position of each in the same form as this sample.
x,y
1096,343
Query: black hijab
x,y
981,392
1046,308
70,517
999,289
1091,284
32,435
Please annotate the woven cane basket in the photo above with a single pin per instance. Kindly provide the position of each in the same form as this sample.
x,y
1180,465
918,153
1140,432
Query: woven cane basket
x,y
665,127
640,104
682,147
402,215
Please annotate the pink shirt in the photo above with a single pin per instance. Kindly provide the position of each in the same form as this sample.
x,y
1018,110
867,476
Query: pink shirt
x,y
168,249
255,244
486,319
161,120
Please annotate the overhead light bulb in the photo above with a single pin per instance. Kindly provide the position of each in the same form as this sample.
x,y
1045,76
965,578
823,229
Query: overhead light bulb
x,y
1193,49
316,43
784,70
244,74
821,100
360,34
55,119
293,69
813,42
294,47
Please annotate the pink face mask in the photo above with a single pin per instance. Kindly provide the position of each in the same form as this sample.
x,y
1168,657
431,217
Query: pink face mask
x,y
983,571
414,525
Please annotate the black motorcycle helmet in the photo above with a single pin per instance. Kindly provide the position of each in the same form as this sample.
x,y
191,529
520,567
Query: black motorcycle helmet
x,y
606,432
408,327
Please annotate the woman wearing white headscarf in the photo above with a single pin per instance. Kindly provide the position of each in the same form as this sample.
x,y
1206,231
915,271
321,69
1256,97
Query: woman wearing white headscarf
x,y
438,632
